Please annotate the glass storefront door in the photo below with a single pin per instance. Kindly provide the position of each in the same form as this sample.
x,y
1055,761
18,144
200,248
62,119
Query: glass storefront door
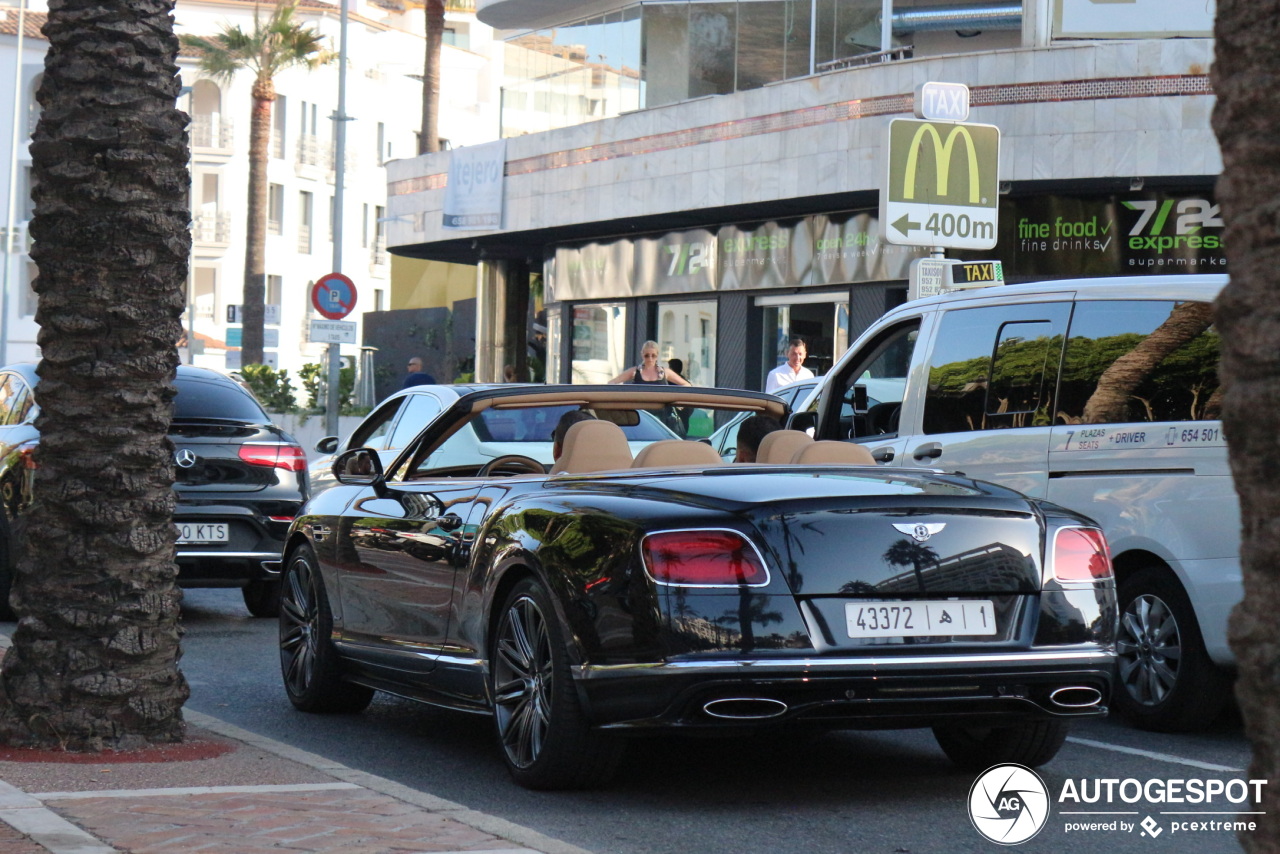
x,y
599,343
687,331
822,320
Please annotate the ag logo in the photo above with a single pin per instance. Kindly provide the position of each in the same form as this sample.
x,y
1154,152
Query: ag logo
x,y
1008,804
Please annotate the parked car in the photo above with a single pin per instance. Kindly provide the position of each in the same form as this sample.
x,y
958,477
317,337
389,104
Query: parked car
x,y
725,438
239,479
402,415
1100,395
614,596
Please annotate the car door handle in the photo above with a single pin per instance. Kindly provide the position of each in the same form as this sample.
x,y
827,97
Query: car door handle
x,y
883,455
449,522
930,451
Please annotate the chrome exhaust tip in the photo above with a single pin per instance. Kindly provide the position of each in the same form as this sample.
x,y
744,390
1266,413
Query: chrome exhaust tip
x,y
1075,697
745,708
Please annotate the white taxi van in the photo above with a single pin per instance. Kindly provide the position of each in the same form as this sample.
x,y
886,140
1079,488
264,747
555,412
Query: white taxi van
x,y
1101,395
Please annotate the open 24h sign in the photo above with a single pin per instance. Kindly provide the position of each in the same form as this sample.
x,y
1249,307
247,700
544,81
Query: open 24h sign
x,y
942,187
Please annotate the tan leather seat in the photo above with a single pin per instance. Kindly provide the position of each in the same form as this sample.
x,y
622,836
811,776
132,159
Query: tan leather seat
x,y
781,445
593,446
676,452
840,453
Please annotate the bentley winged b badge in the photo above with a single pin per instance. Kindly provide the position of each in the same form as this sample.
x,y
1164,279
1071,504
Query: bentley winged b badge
x,y
921,531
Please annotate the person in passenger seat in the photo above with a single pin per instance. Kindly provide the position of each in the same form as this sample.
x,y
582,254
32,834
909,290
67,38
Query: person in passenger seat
x,y
751,431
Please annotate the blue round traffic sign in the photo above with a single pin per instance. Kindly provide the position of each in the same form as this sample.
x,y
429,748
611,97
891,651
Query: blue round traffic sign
x,y
334,296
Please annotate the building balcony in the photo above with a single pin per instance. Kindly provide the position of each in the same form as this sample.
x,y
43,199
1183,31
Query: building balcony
x,y
311,154
212,133
211,229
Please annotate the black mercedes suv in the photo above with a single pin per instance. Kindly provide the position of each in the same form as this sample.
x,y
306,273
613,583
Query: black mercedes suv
x,y
239,481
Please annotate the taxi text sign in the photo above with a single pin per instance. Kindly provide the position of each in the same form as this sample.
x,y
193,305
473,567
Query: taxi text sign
x,y
942,187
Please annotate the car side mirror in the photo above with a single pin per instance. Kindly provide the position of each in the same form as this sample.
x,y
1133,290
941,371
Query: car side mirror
x,y
802,421
359,467
327,445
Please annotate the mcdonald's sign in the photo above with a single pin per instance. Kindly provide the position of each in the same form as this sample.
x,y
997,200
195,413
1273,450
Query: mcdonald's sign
x,y
942,186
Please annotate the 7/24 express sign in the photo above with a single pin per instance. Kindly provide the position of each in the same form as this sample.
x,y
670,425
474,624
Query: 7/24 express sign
x,y
942,184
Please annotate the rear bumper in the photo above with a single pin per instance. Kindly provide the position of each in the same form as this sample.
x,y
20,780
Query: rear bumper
x,y
226,569
866,692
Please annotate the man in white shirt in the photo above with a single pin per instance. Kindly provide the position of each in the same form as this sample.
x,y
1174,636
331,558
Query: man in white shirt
x,y
793,371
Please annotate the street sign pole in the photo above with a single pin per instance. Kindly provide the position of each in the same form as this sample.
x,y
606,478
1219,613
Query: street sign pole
x,y
339,186
334,296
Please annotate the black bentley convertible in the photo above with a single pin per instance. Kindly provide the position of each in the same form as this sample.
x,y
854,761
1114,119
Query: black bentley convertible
x,y
629,588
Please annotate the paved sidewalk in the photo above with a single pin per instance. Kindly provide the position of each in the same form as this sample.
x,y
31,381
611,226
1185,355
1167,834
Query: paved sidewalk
x,y
255,795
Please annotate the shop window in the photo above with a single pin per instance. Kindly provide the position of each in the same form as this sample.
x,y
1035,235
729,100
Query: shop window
x,y
599,343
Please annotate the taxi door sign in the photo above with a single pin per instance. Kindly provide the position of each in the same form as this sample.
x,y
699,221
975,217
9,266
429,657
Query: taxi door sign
x,y
334,296
942,185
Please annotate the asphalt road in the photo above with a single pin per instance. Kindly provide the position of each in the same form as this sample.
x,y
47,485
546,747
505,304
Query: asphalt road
x,y
892,792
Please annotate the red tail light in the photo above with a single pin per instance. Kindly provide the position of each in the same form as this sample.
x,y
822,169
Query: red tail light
x,y
287,457
703,558
26,452
1081,554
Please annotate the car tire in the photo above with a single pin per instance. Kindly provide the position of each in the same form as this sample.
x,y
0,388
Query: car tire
x,y
1030,743
309,661
1165,681
262,598
542,731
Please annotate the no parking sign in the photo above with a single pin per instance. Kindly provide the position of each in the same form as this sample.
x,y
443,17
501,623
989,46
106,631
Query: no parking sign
x,y
334,296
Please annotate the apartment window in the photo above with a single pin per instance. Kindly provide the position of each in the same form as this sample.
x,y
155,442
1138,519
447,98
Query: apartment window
x,y
382,141
278,127
275,286
364,227
275,208
304,222
204,293
28,306
379,299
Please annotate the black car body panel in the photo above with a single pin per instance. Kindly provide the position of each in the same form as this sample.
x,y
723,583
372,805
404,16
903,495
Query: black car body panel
x,y
239,481
416,564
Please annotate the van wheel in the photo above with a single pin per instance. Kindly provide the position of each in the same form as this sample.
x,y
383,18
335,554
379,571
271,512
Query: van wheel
x,y
1167,682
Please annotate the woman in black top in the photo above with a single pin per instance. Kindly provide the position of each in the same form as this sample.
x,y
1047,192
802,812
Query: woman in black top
x,y
648,372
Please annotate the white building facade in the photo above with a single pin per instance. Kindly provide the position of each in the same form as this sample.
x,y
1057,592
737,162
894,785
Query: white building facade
x,y
715,183
383,103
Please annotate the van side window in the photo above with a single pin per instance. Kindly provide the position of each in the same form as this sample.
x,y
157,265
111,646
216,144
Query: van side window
x,y
871,388
995,368
1140,361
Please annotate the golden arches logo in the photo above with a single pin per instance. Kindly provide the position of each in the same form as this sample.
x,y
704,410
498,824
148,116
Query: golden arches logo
x,y
942,161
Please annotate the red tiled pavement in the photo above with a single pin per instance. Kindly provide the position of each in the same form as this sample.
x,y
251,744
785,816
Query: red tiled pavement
x,y
15,842
351,821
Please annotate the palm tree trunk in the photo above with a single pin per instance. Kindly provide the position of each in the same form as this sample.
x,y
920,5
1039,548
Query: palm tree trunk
x,y
94,659
429,139
1246,118
255,274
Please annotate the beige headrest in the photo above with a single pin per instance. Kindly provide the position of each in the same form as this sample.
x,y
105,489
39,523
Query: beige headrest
x,y
593,446
781,445
676,452
843,453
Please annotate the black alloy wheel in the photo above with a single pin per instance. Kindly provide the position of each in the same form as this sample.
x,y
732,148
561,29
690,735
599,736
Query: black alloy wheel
x,y
309,662
546,741
1030,743
1168,683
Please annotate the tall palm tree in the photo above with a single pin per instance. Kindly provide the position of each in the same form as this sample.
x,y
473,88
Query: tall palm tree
x,y
269,48
429,138
94,658
1246,118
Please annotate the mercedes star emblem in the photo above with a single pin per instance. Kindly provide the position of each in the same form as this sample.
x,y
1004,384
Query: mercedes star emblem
x,y
185,458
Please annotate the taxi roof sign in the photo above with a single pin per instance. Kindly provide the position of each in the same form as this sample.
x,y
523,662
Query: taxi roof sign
x,y
946,102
